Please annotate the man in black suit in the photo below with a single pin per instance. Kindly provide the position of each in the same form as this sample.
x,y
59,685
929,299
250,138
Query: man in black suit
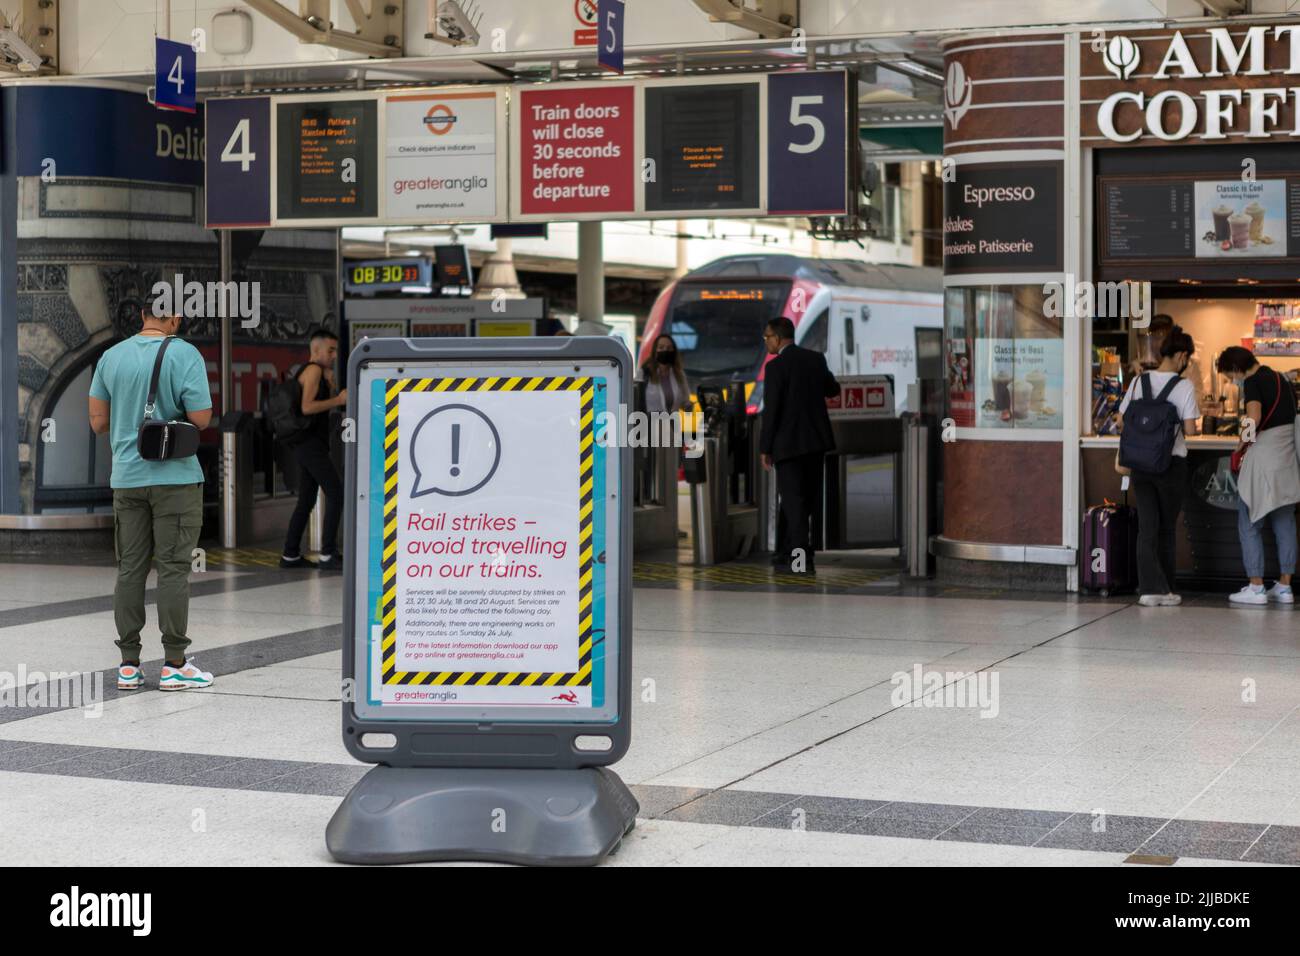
x,y
796,437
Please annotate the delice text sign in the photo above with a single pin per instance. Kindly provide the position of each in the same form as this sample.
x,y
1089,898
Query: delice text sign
x,y
445,156
1216,84
1003,218
489,539
576,151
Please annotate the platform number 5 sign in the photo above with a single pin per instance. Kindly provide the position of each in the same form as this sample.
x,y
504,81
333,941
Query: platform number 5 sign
x,y
610,38
175,80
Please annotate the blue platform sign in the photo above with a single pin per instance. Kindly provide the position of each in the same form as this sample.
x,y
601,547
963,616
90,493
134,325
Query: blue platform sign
x,y
175,75
238,162
610,34
807,157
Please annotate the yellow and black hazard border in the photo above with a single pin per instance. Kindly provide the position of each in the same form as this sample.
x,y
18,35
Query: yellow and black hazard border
x,y
388,562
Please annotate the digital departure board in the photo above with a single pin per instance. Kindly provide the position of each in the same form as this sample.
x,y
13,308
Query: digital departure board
x,y
382,275
326,159
703,139
455,276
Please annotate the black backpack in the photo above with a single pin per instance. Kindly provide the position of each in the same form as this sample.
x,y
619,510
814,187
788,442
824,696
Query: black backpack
x,y
1151,426
284,407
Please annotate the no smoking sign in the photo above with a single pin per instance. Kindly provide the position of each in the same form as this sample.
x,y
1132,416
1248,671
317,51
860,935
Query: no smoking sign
x,y
585,11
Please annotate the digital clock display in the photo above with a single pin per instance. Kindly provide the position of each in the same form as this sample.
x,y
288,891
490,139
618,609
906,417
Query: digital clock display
x,y
378,275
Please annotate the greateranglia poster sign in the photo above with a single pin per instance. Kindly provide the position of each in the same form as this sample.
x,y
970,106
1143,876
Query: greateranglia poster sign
x,y
487,526
442,156
1003,218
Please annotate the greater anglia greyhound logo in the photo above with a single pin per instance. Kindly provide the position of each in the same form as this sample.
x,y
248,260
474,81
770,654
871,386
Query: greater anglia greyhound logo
x,y
1120,56
957,92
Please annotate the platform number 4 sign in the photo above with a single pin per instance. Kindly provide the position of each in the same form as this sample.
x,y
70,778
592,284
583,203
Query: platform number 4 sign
x,y
237,162
237,148
175,81
609,43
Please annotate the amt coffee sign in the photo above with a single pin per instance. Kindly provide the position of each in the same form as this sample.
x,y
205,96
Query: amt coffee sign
x,y
1003,217
1214,85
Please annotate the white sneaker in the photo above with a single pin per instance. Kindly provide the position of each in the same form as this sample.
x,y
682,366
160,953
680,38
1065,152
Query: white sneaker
x,y
1170,600
1280,593
1151,600
1250,594
188,677
129,677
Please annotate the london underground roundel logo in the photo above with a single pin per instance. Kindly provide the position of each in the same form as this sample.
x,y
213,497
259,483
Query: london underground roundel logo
x,y
440,119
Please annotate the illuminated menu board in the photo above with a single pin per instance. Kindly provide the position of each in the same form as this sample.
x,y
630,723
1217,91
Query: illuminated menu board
x,y
326,159
703,139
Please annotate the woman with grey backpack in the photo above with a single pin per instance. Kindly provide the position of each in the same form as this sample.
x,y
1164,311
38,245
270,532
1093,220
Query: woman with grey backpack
x,y
1268,480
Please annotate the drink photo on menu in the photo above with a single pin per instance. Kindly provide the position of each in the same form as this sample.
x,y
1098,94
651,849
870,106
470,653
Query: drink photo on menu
x,y
1240,219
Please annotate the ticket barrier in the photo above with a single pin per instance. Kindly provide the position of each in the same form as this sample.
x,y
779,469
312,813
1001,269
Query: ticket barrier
x,y
879,491
720,469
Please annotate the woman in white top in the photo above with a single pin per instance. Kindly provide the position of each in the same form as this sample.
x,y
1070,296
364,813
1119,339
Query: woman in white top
x,y
666,389
1160,497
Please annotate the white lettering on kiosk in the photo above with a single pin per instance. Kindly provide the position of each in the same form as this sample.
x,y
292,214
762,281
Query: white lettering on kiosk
x,y
1225,111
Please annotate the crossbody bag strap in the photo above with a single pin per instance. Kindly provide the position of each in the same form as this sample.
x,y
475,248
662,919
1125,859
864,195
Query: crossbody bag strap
x,y
153,379
1269,417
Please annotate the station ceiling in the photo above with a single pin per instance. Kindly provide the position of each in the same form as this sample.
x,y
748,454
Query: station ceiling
x,y
899,87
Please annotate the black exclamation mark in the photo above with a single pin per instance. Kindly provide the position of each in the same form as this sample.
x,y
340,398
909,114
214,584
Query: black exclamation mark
x,y
455,450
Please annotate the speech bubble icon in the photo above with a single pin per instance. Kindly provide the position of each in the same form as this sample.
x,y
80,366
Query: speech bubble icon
x,y
455,451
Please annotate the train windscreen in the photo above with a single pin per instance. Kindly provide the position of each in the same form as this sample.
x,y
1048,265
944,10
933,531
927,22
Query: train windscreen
x,y
719,327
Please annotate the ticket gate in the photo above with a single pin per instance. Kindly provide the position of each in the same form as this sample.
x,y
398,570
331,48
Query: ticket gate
x,y
721,468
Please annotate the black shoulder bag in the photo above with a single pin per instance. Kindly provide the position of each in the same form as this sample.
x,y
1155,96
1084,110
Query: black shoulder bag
x,y
159,440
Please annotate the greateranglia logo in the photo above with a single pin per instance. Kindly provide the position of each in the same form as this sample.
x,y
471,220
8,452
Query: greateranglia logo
x,y
1121,57
957,94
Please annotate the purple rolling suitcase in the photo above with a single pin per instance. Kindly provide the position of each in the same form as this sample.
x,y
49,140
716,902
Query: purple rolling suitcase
x,y
1108,556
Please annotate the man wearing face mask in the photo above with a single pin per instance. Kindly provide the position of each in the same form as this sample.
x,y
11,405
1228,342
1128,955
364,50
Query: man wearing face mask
x,y
1268,485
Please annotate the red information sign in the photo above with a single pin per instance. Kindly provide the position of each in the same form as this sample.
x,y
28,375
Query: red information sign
x,y
586,12
576,150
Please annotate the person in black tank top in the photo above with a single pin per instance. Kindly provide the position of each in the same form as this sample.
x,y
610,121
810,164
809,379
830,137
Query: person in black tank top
x,y
1268,400
311,448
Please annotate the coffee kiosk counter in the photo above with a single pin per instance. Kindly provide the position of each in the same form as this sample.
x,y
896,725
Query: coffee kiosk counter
x,y
1195,443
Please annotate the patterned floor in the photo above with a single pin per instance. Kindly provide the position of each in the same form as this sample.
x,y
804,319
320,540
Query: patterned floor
x,y
830,578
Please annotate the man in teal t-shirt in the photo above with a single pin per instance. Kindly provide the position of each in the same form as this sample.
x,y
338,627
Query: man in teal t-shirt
x,y
157,505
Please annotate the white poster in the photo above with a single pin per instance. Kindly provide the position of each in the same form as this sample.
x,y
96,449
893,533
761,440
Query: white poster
x,y
492,541
1019,383
442,156
1239,219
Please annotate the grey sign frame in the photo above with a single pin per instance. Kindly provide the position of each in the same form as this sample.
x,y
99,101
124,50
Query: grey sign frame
x,y
490,744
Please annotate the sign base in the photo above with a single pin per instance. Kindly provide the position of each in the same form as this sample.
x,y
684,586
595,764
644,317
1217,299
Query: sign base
x,y
507,815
